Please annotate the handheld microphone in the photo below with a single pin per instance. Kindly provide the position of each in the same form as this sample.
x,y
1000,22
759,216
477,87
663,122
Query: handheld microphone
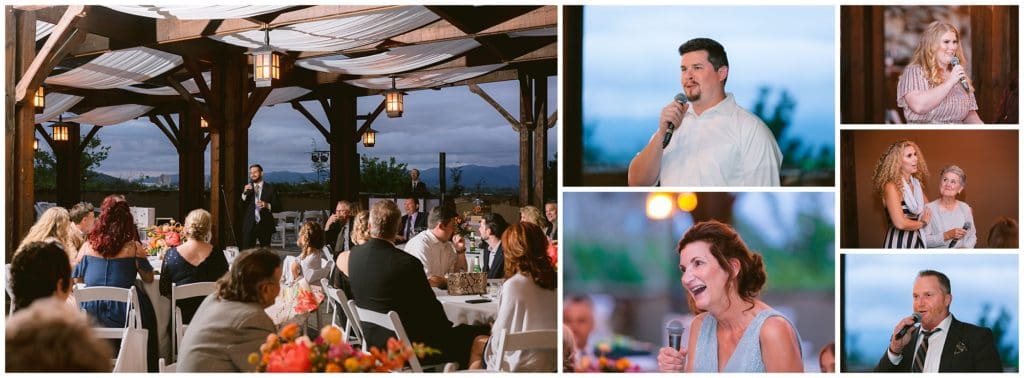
x,y
967,226
902,332
681,99
675,334
963,81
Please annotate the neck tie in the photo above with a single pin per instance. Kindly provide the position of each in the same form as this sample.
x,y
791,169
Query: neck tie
x,y
408,226
258,192
344,233
922,351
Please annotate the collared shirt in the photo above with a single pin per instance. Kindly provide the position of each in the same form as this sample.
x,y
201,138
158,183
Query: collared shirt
x,y
491,256
935,344
724,146
438,257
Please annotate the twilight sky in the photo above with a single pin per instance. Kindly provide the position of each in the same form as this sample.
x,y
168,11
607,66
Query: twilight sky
x,y
451,120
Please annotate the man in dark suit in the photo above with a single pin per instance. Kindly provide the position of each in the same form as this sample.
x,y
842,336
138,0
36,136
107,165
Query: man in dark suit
x,y
384,278
492,226
413,221
259,199
339,227
416,188
941,343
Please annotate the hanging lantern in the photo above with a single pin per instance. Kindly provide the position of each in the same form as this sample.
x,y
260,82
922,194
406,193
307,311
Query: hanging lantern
x,y
369,138
393,101
266,63
203,124
35,144
39,100
60,132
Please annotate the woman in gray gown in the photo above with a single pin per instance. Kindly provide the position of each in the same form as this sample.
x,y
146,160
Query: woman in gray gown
x,y
733,331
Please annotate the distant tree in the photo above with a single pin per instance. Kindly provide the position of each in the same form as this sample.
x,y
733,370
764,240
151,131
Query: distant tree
x,y
382,176
457,189
93,155
1000,324
551,180
795,154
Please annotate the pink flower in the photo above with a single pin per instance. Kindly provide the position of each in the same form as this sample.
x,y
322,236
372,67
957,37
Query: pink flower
x,y
173,239
290,358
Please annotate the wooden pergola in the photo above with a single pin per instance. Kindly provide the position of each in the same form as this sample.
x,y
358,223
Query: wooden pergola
x,y
231,100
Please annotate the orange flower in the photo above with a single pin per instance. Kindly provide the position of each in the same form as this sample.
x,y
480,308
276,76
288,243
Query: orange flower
x,y
352,364
622,364
290,358
602,361
332,368
331,334
290,331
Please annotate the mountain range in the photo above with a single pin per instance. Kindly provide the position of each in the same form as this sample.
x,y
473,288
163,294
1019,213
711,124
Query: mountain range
x,y
506,176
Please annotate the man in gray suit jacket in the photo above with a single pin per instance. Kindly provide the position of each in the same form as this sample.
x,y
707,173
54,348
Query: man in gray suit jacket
x,y
231,323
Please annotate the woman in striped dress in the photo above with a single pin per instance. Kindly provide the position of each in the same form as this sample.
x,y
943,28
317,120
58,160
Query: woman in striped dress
x,y
897,178
935,88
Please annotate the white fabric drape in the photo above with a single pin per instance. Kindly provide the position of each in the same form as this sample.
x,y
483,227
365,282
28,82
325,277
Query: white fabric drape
x,y
196,12
426,79
111,115
118,68
189,85
339,33
399,59
279,95
43,29
56,103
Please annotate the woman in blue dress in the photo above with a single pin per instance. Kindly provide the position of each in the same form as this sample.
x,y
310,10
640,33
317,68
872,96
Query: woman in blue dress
x,y
733,331
112,256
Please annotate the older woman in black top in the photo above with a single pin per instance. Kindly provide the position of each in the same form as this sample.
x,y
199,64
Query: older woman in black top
x,y
196,260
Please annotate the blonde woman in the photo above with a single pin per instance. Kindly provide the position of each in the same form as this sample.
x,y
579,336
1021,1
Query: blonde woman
x,y
533,215
935,87
310,263
54,223
897,178
195,260
360,234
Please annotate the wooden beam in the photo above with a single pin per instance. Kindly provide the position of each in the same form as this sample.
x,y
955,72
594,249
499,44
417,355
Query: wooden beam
x,y
254,102
188,97
206,141
52,52
305,113
160,125
369,120
88,138
192,65
525,139
122,29
172,126
494,104
46,137
552,119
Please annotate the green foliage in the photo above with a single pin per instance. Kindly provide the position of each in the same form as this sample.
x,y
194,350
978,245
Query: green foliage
x,y
796,155
551,180
591,265
1000,324
382,176
304,186
93,155
457,189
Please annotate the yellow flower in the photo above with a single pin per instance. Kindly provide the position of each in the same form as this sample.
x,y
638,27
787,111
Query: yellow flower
x,y
254,358
622,364
331,334
602,361
351,364
604,348
332,368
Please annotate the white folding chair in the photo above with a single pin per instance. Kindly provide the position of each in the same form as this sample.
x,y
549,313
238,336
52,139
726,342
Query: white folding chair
x,y
280,230
192,290
118,294
167,368
392,322
339,301
527,340
291,222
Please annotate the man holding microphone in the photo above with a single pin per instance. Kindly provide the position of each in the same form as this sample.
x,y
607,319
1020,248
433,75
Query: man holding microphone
x,y
711,140
258,200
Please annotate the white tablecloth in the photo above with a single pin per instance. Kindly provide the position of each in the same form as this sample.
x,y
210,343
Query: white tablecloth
x,y
460,312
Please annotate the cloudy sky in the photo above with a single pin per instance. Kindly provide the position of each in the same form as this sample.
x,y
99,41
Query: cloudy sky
x,y
450,120
631,68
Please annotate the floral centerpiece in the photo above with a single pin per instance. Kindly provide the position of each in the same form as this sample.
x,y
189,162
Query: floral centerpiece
x,y
288,352
603,364
163,237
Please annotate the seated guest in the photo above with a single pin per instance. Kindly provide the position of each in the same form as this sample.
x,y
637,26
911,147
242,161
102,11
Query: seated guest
x,y
311,262
51,337
551,213
1003,233
528,300
232,323
384,278
196,260
533,215
952,223
339,227
578,315
435,249
413,221
568,350
112,256
54,223
360,234
39,270
83,217
827,358
492,227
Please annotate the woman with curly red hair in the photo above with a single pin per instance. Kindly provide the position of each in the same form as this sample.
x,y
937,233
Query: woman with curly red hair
x,y
112,256
527,302
722,279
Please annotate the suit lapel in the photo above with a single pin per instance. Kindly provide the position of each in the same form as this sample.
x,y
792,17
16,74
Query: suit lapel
x,y
908,353
954,336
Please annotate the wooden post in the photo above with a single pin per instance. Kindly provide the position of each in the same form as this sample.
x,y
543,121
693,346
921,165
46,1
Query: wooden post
x,y
862,97
19,127
994,41
525,138
572,92
540,138
69,167
190,162
340,109
230,147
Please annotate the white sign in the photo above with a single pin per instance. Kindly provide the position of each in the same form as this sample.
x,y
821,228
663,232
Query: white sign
x,y
144,216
